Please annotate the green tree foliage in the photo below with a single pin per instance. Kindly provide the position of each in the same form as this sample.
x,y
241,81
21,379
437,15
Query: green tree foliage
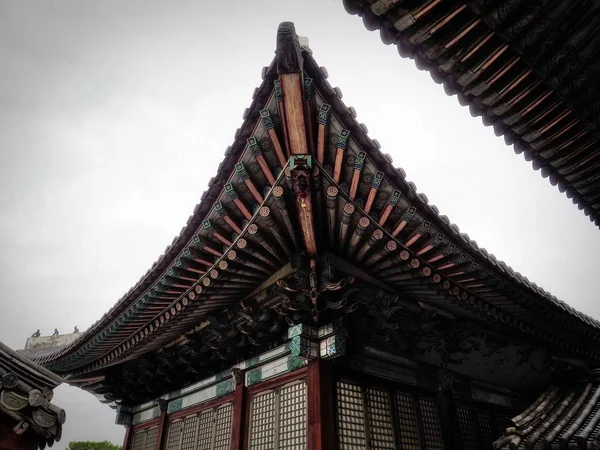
x,y
89,445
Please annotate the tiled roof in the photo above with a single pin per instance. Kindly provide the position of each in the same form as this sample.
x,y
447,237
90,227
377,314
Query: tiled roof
x,y
566,416
26,392
485,286
528,68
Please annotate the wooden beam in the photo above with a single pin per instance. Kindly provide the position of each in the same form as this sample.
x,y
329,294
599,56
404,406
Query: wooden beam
x,y
301,183
291,84
289,69
339,154
260,159
308,109
373,192
322,119
359,163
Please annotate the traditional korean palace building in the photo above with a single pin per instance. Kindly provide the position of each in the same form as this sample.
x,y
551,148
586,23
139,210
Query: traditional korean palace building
x,y
316,300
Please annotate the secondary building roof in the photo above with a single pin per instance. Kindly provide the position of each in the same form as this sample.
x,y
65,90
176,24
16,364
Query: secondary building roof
x,y
26,392
564,416
529,69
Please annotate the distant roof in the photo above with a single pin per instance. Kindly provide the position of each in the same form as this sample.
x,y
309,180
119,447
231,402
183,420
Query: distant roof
x,y
40,352
26,391
566,416
530,69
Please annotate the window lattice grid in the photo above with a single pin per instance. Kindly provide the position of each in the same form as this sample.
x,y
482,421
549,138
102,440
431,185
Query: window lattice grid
x,y
262,422
431,424
139,440
223,427
350,416
188,434
151,437
468,433
205,430
381,431
407,421
485,429
174,435
292,420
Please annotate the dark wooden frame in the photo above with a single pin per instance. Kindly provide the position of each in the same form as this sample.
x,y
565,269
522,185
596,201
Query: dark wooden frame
x,y
391,387
200,407
143,426
296,375
133,429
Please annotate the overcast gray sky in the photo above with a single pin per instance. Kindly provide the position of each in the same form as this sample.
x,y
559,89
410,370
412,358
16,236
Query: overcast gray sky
x,y
114,116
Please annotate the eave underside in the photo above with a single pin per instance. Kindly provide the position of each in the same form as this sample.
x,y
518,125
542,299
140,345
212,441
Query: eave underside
x,y
529,69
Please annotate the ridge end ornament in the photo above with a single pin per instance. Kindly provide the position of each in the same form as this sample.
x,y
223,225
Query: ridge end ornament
x,y
289,53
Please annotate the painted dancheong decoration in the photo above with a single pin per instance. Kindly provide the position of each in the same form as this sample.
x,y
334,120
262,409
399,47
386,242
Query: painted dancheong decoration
x,y
315,299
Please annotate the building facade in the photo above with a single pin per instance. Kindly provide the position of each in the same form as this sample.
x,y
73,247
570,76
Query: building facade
x,y
315,299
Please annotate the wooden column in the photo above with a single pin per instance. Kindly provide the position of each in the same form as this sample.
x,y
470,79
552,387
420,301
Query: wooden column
x,y
239,415
447,410
162,425
128,437
320,406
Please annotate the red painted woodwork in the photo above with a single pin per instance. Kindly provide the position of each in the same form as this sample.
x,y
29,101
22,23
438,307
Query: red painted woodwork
x,y
127,439
320,412
9,440
283,379
162,430
239,417
201,407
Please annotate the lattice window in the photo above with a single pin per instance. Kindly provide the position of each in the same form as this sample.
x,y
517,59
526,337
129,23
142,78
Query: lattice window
x,y
468,433
407,422
139,440
379,412
205,430
174,437
350,417
262,431
485,429
292,407
223,427
145,439
151,437
278,418
188,434
431,424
